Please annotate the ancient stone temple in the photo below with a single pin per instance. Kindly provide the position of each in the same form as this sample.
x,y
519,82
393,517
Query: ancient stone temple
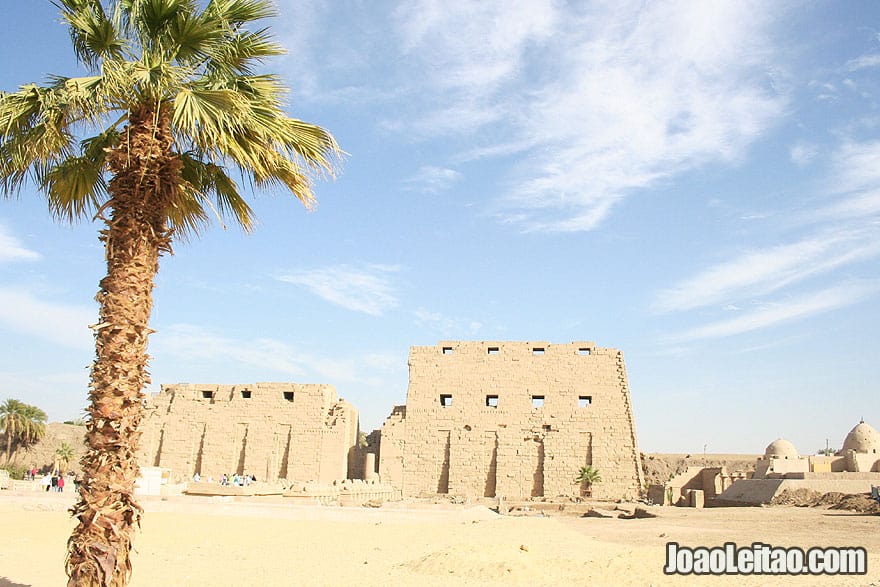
x,y
291,431
513,419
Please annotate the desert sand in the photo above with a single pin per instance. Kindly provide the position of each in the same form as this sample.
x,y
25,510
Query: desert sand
x,y
189,541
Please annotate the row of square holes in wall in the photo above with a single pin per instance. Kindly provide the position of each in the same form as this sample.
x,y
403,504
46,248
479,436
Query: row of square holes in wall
x,y
494,350
246,394
537,400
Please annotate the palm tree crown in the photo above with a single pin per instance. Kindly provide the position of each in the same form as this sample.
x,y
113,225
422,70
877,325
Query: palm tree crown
x,y
192,72
588,475
22,424
63,455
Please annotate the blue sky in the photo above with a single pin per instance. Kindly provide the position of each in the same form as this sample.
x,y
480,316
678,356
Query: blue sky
x,y
695,183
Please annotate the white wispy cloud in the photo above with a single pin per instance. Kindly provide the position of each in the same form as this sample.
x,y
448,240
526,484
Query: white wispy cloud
x,y
633,93
588,103
758,273
11,249
445,325
433,179
63,324
794,309
473,45
797,279
368,289
803,153
855,185
856,168
274,358
864,62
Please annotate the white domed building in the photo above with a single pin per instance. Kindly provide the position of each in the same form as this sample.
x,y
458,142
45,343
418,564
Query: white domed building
x,y
861,449
862,439
781,457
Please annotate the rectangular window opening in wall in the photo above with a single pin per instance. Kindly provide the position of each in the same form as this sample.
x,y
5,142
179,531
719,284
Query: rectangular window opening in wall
x,y
584,401
537,401
445,399
448,350
538,351
493,350
288,395
492,401
246,394
207,395
584,351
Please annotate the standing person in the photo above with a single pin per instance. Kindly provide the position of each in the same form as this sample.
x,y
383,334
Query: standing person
x,y
61,484
46,482
54,481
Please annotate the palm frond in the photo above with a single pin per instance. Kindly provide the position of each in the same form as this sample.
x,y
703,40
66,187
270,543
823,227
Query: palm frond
x,y
211,184
93,35
239,12
206,117
75,188
240,52
277,170
315,146
187,217
36,128
195,37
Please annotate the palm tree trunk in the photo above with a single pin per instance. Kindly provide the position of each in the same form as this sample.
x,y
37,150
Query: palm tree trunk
x,y
136,235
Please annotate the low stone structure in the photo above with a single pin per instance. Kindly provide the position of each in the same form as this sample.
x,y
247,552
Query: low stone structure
x,y
513,419
702,484
291,431
346,492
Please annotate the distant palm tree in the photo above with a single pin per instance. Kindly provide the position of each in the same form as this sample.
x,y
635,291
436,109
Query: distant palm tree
x,y
587,477
172,112
23,425
63,455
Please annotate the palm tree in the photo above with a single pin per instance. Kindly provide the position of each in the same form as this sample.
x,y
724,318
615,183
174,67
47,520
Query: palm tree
x,y
10,415
63,455
587,477
149,143
34,428
23,424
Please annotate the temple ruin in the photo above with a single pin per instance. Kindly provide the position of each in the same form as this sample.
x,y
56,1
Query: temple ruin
x,y
482,419
271,430
512,419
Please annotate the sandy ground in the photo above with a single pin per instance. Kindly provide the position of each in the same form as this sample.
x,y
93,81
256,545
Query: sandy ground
x,y
209,541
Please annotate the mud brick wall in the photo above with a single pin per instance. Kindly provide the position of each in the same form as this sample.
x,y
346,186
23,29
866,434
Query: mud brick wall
x,y
291,431
517,419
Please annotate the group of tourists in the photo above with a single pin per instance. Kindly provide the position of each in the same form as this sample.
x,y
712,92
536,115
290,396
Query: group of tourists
x,y
54,481
237,480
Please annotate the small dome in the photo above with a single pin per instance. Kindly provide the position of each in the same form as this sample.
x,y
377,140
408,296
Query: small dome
x,y
863,438
780,449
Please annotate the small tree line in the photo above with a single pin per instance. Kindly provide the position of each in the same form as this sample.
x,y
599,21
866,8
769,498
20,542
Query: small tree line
x,y
23,425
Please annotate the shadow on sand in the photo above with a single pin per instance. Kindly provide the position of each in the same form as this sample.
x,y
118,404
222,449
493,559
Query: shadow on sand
x,y
4,582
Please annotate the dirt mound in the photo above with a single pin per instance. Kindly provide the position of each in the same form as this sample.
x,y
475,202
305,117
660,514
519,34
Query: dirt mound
x,y
858,502
861,502
798,497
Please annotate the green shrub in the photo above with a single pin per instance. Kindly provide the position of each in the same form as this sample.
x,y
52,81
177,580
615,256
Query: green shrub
x,y
16,471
